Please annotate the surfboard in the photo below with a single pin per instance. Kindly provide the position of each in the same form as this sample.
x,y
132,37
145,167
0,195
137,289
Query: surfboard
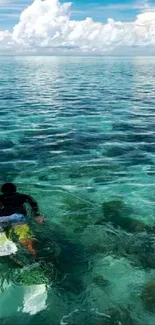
x,y
7,247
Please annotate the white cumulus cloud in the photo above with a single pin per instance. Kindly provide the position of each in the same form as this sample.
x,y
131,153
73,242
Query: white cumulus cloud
x,y
46,27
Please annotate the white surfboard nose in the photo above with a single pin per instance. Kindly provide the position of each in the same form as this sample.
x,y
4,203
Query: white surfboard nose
x,y
7,247
35,297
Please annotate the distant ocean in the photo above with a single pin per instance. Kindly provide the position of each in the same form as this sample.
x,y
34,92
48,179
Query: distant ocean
x,y
76,132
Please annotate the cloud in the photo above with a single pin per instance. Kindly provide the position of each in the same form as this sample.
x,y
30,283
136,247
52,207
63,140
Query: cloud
x,y
46,27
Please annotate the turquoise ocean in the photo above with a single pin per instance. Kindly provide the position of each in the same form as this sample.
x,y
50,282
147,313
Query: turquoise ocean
x,y
78,134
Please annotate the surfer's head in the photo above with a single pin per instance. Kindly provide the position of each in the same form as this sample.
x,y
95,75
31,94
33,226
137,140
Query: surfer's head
x,y
8,188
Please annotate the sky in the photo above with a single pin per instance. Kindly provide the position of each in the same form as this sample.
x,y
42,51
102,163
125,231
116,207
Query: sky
x,y
99,10
80,27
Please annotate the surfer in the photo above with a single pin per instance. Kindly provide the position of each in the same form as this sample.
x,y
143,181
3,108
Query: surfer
x,y
13,215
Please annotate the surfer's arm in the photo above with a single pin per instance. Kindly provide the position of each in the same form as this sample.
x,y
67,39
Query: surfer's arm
x,y
33,204
35,209
1,203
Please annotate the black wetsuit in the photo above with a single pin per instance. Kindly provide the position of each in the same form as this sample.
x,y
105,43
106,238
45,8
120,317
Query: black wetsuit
x,y
11,203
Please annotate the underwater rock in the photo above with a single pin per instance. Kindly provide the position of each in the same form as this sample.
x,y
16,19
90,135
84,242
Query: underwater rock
x,y
117,213
149,147
138,226
80,212
148,296
97,248
99,280
102,179
112,209
137,247
116,151
141,249
150,260
75,204
101,240
72,284
114,316
124,127
139,158
6,144
117,316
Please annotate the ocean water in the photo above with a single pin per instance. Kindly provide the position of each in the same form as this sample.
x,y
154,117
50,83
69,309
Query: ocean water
x,y
77,133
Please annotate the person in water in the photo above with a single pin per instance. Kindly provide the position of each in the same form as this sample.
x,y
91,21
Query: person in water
x,y
13,215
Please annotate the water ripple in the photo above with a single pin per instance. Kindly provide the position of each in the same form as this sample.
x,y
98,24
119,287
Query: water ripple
x,y
77,133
